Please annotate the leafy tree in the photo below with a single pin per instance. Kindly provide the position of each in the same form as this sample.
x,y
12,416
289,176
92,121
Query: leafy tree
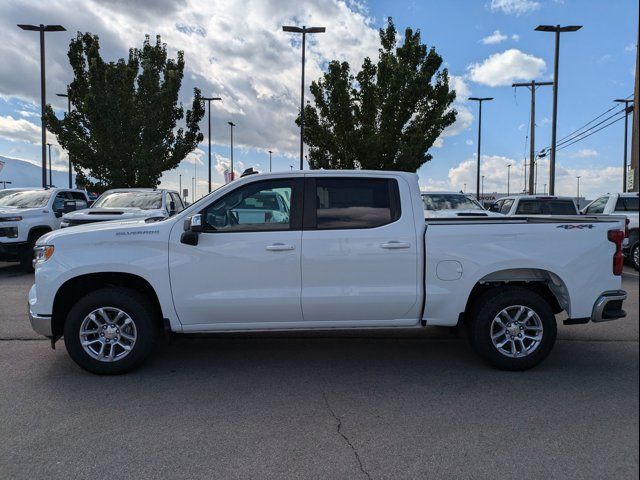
x,y
387,116
122,128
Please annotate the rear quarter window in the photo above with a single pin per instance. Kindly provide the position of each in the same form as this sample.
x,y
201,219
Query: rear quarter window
x,y
627,204
546,207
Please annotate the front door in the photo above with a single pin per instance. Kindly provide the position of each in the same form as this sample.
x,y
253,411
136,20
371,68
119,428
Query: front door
x,y
245,270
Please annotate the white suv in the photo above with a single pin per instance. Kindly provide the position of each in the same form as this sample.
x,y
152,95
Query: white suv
x,y
28,213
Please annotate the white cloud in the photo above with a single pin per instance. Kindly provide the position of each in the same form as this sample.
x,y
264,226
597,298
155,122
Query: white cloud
x,y
504,68
19,130
585,153
515,7
468,141
494,38
195,157
464,117
515,37
630,48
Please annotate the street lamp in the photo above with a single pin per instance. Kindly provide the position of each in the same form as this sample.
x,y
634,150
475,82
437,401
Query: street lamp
x,y
66,95
508,179
43,88
209,100
270,153
50,176
231,125
557,29
479,100
482,185
193,189
627,109
304,30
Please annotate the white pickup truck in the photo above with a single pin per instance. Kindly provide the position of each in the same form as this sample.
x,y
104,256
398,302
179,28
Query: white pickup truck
x,y
352,251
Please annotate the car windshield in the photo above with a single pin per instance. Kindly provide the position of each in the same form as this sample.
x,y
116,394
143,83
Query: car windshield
x,y
26,199
449,201
143,200
546,207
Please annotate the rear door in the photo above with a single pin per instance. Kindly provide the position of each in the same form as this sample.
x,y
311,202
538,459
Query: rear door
x,y
359,252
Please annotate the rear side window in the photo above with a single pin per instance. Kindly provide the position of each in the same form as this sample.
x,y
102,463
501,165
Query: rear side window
x,y
597,206
506,206
348,203
627,204
546,207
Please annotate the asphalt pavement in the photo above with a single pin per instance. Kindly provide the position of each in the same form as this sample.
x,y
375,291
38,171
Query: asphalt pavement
x,y
378,405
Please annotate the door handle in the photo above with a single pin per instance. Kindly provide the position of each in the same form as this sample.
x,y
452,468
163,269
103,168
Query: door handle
x,y
280,247
394,245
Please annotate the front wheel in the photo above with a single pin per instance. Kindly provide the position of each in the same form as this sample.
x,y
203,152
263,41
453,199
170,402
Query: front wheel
x,y
110,331
512,328
635,254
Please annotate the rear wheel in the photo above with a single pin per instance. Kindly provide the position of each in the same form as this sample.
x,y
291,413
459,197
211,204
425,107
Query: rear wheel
x,y
110,331
635,254
512,328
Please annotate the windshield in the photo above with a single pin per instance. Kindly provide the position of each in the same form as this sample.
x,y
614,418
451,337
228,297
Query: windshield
x,y
26,199
449,201
546,207
143,200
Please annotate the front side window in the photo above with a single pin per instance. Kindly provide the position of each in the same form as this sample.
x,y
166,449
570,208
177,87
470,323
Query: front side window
x,y
259,206
26,199
142,200
506,206
597,206
355,203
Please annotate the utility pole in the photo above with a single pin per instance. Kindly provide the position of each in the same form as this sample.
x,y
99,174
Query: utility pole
x,y
635,133
557,29
270,153
66,95
508,179
209,100
5,182
180,183
43,87
304,30
482,186
578,193
50,173
479,100
627,110
532,86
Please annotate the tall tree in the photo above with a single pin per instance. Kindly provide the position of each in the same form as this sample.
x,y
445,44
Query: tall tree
x,y
122,129
387,116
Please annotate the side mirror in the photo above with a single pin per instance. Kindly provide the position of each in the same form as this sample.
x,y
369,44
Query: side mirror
x,y
192,227
172,208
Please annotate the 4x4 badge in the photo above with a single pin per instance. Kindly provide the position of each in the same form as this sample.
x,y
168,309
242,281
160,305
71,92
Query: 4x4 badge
x,y
579,226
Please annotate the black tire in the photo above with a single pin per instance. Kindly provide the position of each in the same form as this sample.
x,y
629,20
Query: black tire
x,y
135,306
489,305
633,253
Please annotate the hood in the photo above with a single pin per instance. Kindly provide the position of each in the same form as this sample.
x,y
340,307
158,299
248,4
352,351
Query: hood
x,y
98,214
469,213
104,229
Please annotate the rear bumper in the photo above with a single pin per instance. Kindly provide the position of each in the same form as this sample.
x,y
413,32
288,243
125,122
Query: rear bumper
x,y
609,306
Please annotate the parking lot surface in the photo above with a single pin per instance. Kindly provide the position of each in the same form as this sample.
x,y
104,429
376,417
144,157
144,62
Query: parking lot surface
x,y
400,404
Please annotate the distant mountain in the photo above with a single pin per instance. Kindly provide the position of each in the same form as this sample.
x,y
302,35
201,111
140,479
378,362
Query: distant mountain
x,y
25,174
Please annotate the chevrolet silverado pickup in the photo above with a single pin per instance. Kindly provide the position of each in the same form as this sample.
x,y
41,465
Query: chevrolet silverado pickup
x,y
350,250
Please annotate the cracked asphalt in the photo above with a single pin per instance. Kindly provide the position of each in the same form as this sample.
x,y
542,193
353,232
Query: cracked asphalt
x,y
364,405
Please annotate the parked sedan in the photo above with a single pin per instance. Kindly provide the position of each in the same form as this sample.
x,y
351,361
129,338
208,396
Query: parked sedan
x,y
125,204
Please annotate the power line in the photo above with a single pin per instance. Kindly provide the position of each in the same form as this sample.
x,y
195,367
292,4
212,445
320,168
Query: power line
x,y
590,128
594,131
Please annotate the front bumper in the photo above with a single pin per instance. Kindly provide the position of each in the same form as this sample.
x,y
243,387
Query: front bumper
x,y
41,324
609,306
11,251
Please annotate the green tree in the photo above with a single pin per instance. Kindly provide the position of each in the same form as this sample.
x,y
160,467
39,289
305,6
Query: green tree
x,y
387,116
122,128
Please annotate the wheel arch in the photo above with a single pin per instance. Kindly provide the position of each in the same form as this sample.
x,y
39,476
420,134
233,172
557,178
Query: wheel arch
x,y
75,288
39,230
545,283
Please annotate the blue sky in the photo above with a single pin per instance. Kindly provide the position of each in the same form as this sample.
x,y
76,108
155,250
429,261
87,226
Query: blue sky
x,y
236,50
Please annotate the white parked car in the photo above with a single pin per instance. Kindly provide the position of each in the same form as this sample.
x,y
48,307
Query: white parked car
x,y
127,204
535,205
620,204
354,252
453,204
28,213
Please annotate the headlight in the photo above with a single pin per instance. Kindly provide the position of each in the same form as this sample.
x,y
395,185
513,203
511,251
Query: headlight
x,y
64,224
16,218
42,253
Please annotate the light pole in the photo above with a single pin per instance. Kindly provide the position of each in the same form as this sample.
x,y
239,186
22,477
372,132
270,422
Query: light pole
x,y
304,30
50,176
557,29
508,179
627,110
43,87
578,193
180,183
66,95
231,125
5,182
479,100
193,189
209,100
270,153
482,186
464,188
544,189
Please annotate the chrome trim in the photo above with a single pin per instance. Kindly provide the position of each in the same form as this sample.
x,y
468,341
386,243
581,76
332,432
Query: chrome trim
x,y
603,300
41,323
